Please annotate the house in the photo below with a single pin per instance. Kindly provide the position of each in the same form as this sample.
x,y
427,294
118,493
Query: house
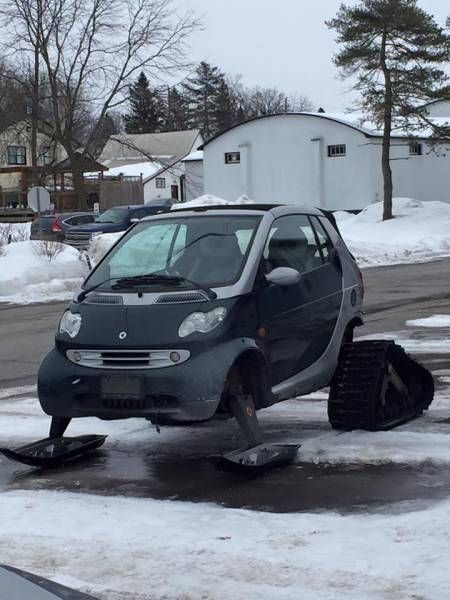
x,y
15,161
157,157
326,160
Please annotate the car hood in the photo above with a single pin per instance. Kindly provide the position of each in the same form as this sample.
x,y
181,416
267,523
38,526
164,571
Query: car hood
x,y
95,227
152,326
21,585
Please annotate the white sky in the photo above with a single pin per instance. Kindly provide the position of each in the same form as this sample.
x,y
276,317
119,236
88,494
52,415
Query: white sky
x,y
284,43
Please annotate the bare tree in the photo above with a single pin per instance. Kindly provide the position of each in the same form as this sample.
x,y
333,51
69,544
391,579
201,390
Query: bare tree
x,y
90,51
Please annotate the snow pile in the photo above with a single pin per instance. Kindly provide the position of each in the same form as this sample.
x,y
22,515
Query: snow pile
x,y
420,231
210,200
29,272
433,321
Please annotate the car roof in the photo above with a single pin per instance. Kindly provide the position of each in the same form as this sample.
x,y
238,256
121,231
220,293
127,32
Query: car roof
x,y
275,209
128,207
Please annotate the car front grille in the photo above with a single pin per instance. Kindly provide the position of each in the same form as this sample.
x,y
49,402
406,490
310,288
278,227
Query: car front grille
x,y
127,359
78,240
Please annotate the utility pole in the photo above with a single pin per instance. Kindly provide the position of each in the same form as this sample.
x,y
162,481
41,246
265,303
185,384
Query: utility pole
x,y
34,118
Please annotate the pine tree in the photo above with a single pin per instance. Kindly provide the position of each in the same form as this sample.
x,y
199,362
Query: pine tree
x,y
177,111
147,108
225,111
394,49
201,94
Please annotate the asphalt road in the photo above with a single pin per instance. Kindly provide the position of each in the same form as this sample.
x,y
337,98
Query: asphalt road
x,y
393,294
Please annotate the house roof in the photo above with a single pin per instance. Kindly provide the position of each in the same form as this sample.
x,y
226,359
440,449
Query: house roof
x,y
355,121
193,156
127,148
88,165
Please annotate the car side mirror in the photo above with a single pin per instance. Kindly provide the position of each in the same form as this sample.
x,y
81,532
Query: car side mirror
x,y
283,276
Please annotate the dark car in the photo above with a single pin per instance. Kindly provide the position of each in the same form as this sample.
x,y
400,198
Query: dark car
x,y
216,311
112,220
16,584
55,226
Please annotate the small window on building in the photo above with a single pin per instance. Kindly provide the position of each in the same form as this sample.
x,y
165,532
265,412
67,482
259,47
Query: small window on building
x,y
337,150
17,155
232,158
160,183
415,149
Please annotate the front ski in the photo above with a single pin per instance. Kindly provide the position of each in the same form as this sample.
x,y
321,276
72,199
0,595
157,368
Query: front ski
x,y
258,459
51,452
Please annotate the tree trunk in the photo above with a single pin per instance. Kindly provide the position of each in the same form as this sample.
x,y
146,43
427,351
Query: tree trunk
x,y
35,118
78,181
387,129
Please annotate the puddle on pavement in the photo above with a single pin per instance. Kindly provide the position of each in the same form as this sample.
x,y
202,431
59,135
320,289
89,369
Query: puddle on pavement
x,y
299,487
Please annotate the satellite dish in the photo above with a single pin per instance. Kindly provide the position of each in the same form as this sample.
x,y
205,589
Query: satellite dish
x,y
38,198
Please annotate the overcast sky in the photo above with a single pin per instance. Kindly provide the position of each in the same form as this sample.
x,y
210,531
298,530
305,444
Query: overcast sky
x,y
282,43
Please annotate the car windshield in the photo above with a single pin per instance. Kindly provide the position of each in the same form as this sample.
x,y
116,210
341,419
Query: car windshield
x,y
113,215
208,250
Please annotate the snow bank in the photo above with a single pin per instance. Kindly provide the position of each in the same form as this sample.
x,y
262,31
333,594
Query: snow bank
x,y
210,200
433,321
420,231
27,275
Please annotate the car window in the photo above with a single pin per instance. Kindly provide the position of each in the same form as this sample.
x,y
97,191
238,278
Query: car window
x,y
323,238
210,250
71,221
292,243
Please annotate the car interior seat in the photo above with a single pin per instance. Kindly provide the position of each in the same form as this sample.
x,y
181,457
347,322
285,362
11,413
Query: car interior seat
x,y
212,258
288,248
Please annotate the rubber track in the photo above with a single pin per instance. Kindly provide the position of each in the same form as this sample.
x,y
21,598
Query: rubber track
x,y
361,394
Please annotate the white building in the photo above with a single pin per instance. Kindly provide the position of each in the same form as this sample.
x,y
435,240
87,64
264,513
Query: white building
x,y
193,175
324,160
154,157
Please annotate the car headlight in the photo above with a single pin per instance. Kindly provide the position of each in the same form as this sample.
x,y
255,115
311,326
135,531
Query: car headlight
x,y
202,322
70,323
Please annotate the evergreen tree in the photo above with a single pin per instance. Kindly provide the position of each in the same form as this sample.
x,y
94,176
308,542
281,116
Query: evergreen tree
x,y
394,49
177,111
147,109
225,110
201,94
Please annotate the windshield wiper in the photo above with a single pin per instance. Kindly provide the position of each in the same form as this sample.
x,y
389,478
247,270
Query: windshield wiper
x,y
152,278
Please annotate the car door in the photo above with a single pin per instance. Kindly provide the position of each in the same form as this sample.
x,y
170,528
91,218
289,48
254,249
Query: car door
x,y
299,320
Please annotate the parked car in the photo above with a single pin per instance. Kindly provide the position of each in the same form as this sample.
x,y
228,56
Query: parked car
x,y
55,226
15,583
112,220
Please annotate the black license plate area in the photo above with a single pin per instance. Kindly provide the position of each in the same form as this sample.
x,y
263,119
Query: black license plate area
x,y
122,387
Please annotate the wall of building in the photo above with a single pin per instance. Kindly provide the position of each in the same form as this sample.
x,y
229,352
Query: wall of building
x,y
284,159
193,181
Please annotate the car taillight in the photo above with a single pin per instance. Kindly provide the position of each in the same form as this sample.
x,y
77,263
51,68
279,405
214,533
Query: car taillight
x,y
56,225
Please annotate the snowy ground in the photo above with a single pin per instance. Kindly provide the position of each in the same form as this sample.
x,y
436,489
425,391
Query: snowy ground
x,y
123,548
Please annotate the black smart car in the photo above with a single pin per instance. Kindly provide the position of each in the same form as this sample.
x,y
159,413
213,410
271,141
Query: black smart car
x,y
224,310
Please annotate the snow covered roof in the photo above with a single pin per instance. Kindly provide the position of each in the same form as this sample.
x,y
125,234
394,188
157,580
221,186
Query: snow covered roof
x,y
146,169
197,155
356,121
144,146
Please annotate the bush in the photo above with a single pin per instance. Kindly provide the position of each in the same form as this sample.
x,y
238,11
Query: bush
x,y
47,249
